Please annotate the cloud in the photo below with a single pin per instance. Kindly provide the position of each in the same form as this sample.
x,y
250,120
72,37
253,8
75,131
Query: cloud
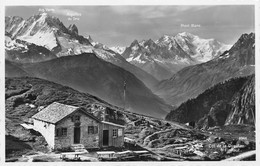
x,y
153,12
189,7
142,11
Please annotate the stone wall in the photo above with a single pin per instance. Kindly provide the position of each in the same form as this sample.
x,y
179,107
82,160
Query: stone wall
x,y
88,140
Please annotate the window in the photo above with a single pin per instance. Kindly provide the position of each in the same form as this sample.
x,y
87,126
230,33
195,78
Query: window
x,y
61,132
120,132
115,132
64,132
92,129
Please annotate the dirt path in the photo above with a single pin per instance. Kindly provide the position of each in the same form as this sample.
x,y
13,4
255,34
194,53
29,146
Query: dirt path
x,y
173,124
242,156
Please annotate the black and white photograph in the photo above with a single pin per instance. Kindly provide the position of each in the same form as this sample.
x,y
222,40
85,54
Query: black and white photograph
x,y
131,83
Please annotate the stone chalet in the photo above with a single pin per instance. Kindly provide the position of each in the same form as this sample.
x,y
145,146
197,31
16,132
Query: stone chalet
x,y
64,126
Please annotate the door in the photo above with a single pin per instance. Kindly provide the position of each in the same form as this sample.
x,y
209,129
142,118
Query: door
x,y
76,135
105,137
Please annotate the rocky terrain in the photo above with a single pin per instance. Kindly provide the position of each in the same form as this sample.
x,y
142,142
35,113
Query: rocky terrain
x,y
169,54
228,103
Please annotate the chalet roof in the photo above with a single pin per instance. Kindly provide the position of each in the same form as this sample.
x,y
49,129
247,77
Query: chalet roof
x,y
113,124
57,111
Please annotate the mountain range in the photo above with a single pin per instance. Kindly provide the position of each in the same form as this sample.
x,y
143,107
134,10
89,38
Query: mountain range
x,y
159,75
55,40
167,55
191,81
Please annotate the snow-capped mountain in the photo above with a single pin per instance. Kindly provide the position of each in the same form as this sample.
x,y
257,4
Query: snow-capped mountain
x,y
22,51
169,54
189,82
202,50
49,32
118,49
155,59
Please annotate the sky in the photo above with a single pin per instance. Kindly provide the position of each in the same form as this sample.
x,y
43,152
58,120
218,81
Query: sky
x,y
121,25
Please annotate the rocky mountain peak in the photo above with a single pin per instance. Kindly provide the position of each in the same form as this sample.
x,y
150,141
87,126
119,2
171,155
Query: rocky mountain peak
x,y
186,35
245,40
89,38
164,39
12,23
73,29
149,42
45,19
135,42
40,16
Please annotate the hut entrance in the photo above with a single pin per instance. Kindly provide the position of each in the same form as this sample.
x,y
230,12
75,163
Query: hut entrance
x,y
76,135
105,137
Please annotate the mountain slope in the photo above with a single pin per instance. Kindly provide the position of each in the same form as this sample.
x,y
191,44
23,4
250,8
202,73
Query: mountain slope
x,y
41,93
87,73
243,105
105,53
193,80
220,105
25,96
172,53
20,51
46,31
13,70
